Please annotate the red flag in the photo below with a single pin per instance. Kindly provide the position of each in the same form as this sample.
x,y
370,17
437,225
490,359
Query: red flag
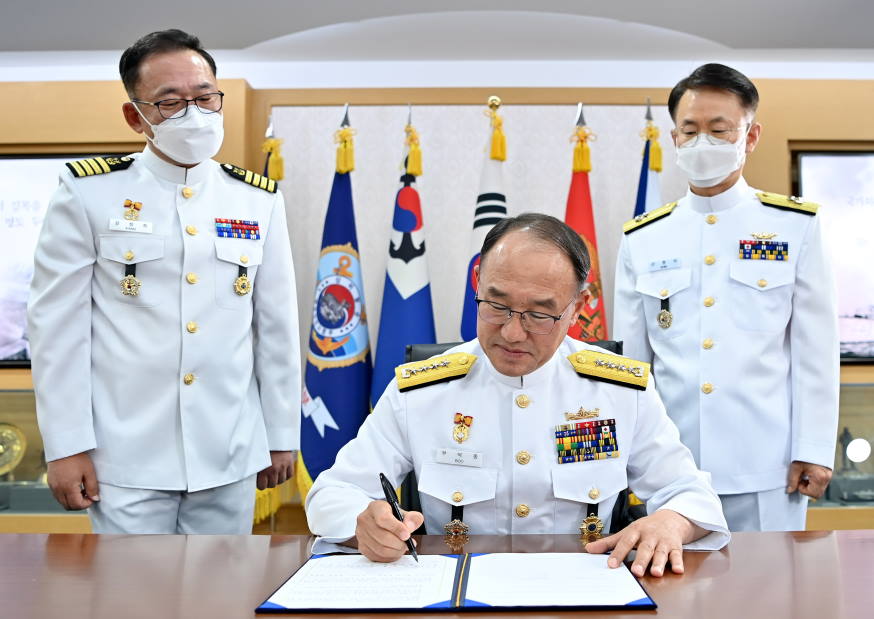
x,y
591,324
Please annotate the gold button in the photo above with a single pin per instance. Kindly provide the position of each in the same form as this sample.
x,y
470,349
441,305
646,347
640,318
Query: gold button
x,y
708,301
663,292
192,327
462,361
457,497
762,283
187,192
581,359
594,493
128,255
188,378
244,259
522,401
191,230
707,344
711,219
191,278
523,457
522,510
707,388
709,259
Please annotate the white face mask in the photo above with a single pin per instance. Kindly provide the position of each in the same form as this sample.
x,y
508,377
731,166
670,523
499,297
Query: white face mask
x,y
191,139
708,164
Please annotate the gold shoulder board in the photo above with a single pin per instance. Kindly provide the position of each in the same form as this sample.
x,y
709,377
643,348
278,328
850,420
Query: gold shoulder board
x,y
787,203
610,368
250,177
434,370
647,218
98,165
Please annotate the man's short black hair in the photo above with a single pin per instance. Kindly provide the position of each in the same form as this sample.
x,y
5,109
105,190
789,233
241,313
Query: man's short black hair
x,y
718,77
157,43
548,229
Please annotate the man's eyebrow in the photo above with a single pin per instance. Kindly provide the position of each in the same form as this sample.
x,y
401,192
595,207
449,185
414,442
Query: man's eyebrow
x,y
173,90
496,293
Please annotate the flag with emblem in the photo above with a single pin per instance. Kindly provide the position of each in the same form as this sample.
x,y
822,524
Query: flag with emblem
x,y
591,322
336,393
649,195
407,316
491,207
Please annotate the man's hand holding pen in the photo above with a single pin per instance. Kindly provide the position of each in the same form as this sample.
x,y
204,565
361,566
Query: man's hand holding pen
x,y
381,536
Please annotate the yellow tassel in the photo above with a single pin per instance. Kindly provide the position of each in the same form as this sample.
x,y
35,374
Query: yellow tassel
x,y
275,163
345,150
266,503
499,140
582,152
651,133
414,154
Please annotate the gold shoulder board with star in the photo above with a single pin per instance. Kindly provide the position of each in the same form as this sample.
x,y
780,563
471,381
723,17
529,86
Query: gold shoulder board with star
x,y
610,368
647,218
434,370
98,165
787,203
250,177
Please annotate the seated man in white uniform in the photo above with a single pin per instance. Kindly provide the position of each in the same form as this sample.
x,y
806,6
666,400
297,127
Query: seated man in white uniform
x,y
522,430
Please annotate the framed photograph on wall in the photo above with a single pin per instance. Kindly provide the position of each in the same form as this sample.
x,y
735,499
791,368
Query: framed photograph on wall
x,y
843,184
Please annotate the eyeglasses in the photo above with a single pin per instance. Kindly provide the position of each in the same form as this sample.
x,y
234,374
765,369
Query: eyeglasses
x,y
538,323
209,103
715,137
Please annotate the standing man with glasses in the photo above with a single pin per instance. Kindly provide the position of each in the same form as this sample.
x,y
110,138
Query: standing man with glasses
x,y
729,294
163,317
523,430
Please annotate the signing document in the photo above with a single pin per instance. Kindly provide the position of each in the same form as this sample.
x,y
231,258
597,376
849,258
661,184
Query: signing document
x,y
499,580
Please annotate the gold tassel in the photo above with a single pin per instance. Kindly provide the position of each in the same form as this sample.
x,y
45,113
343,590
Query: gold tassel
x,y
266,503
345,150
275,162
414,154
499,140
651,134
582,152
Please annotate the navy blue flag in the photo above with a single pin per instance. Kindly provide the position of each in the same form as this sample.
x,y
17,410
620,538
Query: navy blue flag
x,y
649,195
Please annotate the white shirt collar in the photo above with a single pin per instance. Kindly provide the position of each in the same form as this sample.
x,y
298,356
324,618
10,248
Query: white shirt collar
x,y
732,196
174,173
536,377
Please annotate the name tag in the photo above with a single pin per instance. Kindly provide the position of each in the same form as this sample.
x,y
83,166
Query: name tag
x,y
126,225
664,265
459,458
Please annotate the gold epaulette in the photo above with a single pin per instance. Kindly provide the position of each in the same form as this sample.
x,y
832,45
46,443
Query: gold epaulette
x,y
787,203
647,218
98,165
434,370
248,176
610,368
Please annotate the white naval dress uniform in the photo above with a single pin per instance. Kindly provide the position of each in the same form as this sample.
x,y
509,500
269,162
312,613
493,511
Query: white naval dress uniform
x,y
748,369
186,386
511,481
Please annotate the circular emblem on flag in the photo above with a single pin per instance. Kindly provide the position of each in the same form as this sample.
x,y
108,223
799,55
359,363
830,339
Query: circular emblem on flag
x,y
337,310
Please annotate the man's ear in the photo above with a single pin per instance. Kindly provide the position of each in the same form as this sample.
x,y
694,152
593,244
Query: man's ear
x,y
133,118
753,137
476,279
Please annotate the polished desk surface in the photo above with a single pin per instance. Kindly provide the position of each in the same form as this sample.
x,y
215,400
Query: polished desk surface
x,y
822,575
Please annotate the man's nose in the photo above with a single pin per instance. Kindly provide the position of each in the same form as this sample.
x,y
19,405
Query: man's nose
x,y
512,331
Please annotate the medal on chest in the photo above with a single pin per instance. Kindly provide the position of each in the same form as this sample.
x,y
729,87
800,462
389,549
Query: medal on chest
x,y
461,427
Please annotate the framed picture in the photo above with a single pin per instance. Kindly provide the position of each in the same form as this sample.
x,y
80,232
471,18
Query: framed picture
x,y
843,184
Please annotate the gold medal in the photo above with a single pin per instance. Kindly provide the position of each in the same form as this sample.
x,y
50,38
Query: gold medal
x,y
461,429
130,285
242,285
591,528
132,210
665,319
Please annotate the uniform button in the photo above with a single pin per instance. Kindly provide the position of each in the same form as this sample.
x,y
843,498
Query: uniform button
x,y
188,378
244,259
462,361
522,401
709,301
762,283
523,457
191,327
711,219
707,344
128,255
187,192
663,292
594,493
709,259
522,510
707,388
457,497
191,230
191,278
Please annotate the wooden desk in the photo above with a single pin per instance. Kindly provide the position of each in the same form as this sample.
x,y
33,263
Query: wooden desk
x,y
821,575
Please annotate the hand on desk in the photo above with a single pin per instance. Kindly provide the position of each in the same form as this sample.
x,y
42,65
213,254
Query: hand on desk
x,y
73,481
382,537
807,478
658,538
281,469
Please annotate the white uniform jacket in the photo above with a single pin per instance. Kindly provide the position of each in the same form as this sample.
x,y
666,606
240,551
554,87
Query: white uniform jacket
x,y
187,385
748,368
516,484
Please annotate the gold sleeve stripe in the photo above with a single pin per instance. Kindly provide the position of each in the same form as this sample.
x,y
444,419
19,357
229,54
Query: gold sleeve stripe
x,y
77,169
248,178
271,185
103,166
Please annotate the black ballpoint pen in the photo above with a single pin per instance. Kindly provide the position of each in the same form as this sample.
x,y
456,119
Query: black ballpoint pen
x,y
392,499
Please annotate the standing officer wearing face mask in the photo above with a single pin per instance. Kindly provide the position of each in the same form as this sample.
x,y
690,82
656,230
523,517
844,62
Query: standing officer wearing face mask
x,y
729,293
163,317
